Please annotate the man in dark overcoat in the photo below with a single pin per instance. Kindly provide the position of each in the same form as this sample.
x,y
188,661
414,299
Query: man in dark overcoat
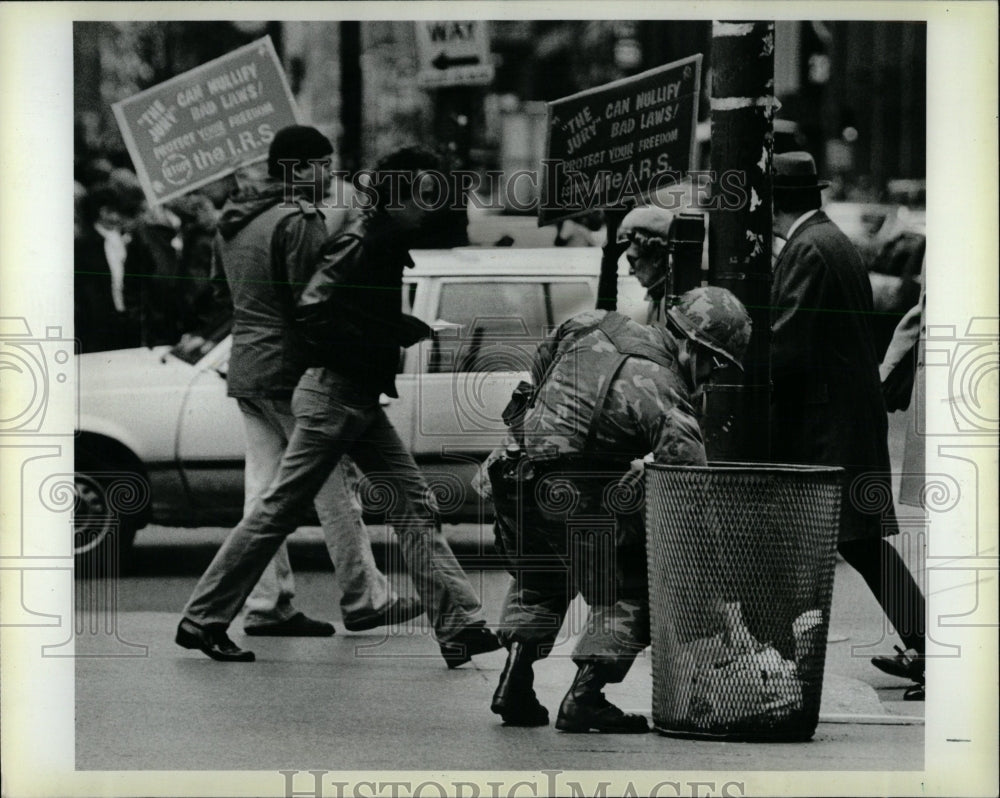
x,y
101,318
826,404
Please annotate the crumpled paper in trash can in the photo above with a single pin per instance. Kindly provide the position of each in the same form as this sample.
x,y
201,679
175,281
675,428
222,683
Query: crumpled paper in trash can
x,y
759,686
732,678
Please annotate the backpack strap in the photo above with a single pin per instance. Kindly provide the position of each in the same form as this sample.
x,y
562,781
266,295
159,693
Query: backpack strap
x,y
615,327
602,397
558,356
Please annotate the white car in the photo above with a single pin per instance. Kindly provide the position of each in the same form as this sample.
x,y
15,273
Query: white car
x,y
160,442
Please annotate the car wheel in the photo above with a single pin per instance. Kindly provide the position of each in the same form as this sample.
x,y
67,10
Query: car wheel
x,y
102,534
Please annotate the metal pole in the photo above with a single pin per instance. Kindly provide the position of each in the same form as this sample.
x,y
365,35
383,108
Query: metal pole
x,y
350,95
607,284
739,236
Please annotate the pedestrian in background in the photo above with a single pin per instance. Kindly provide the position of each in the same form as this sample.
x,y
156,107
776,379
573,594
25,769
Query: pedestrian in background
x,y
903,378
101,318
607,391
153,268
647,233
79,197
349,326
200,310
826,403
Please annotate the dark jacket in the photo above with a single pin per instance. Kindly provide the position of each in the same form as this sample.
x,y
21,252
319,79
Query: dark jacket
x,y
349,318
153,285
826,404
98,324
267,249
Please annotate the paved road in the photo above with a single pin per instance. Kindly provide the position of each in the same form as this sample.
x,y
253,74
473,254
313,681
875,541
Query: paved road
x,y
385,700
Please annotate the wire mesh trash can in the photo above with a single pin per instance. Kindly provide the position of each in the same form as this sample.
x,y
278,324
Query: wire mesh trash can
x,y
741,561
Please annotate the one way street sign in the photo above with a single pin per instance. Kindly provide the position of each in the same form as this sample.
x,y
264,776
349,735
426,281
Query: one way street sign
x,y
453,53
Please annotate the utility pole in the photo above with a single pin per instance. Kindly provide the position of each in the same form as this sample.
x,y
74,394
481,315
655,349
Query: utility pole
x,y
739,241
607,284
350,95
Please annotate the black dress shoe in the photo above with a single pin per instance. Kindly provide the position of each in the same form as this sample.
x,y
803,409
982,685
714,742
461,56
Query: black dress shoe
x,y
299,625
398,611
473,639
907,664
914,693
212,640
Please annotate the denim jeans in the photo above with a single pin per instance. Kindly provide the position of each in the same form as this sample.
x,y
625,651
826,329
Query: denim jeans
x,y
363,587
334,417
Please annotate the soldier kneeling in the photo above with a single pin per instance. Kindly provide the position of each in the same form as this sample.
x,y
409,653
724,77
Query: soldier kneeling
x,y
568,491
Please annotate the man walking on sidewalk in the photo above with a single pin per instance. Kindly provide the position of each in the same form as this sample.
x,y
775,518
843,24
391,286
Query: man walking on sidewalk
x,y
826,404
350,327
267,248
608,391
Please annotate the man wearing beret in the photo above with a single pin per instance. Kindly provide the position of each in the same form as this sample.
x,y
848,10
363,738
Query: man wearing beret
x,y
826,403
646,231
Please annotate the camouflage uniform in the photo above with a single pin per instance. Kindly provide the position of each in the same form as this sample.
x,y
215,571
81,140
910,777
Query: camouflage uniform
x,y
566,519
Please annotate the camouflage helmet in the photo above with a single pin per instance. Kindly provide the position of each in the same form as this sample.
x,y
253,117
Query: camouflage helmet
x,y
714,318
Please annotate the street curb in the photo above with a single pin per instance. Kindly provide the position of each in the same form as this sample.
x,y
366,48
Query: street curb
x,y
874,720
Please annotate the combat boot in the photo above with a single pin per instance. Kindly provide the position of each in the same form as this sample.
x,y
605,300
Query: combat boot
x,y
585,708
515,700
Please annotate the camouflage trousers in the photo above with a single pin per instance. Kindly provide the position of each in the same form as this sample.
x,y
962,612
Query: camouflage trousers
x,y
553,557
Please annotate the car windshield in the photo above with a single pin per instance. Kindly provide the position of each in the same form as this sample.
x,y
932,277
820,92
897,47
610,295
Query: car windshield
x,y
194,346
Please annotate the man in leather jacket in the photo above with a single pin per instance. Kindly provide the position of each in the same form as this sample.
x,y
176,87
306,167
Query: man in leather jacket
x,y
266,248
349,327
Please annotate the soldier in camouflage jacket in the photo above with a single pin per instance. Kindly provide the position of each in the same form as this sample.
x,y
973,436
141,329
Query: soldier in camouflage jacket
x,y
568,499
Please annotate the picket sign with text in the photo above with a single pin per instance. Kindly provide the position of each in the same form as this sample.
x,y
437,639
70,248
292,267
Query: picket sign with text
x,y
617,143
205,123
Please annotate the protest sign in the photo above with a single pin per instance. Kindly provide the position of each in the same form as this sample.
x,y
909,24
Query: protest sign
x,y
201,125
615,144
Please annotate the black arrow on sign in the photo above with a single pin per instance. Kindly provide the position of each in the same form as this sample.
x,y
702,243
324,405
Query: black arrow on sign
x,y
442,61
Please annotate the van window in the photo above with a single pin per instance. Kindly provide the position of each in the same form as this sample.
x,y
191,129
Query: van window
x,y
502,322
568,299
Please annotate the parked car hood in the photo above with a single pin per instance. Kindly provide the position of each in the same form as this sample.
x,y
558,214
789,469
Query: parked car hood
x,y
131,370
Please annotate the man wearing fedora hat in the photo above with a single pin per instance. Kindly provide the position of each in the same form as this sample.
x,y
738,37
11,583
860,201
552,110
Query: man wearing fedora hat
x,y
826,403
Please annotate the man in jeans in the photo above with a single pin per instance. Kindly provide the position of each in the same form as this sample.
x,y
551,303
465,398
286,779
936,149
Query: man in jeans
x,y
267,248
350,327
